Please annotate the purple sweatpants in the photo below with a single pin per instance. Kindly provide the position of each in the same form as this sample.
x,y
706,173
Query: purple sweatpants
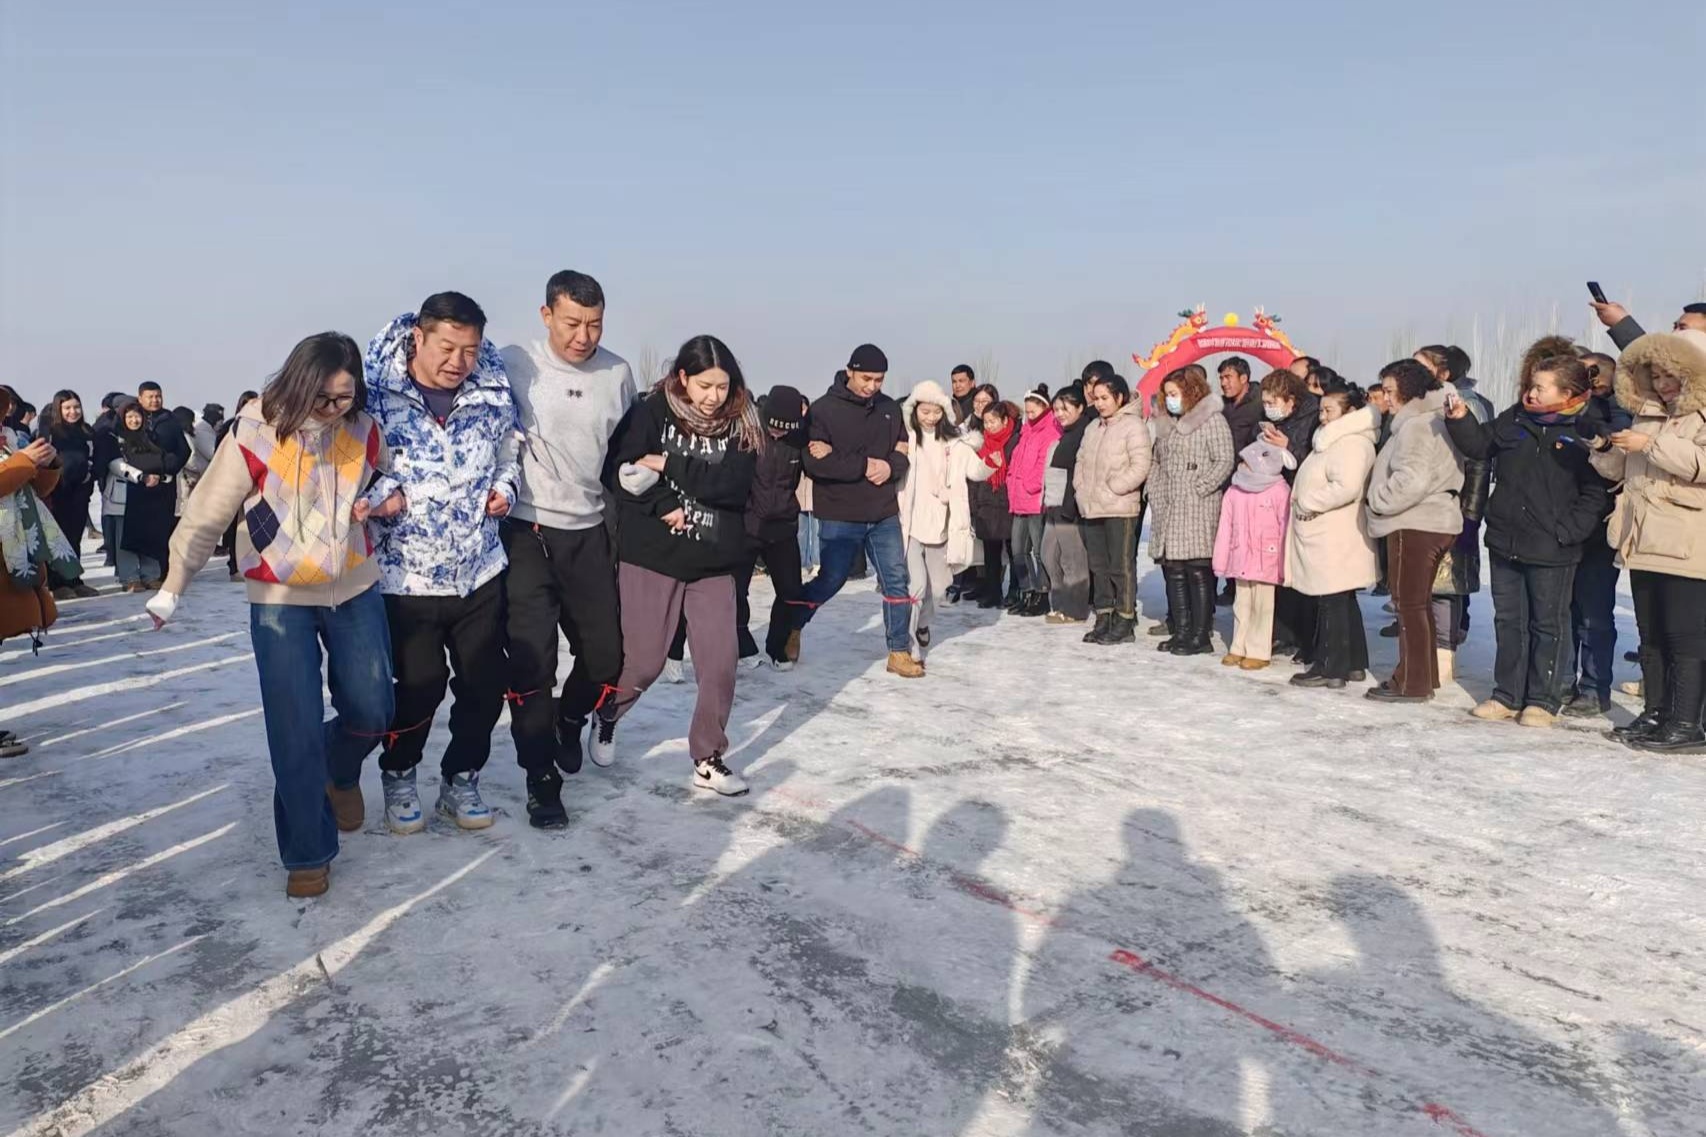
x,y
652,605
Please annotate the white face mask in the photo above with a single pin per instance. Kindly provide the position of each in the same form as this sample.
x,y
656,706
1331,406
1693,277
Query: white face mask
x,y
1175,405
1274,413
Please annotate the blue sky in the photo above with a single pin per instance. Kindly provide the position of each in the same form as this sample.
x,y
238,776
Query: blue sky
x,y
188,188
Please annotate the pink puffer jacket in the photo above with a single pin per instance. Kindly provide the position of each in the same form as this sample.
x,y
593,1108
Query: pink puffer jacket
x,y
1250,542
1030,465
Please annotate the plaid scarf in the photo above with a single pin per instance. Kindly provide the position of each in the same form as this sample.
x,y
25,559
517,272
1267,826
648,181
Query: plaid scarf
x,y
749,430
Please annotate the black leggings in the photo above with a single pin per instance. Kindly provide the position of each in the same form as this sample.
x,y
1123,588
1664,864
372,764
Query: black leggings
x,y
1670,612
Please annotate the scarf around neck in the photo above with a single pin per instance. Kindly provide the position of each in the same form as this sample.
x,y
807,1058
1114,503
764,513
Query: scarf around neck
x,y
1566,413
30,537
749,430
994,442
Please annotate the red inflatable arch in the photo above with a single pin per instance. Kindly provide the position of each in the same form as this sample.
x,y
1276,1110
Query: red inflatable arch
x,y
1194,340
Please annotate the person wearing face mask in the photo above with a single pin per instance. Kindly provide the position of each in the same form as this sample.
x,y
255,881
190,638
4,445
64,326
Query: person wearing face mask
x,y
1193,460
1546,502
1291,416
685,458
306,468
440,395
1655,528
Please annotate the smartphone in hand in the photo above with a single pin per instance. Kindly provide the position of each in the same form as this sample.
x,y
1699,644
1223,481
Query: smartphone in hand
x,y
1597,292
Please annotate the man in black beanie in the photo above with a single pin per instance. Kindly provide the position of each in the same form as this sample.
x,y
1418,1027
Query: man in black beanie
x,y
857,457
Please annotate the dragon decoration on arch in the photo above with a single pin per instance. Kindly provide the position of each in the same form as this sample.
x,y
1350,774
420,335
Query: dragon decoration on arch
x,y
1194,321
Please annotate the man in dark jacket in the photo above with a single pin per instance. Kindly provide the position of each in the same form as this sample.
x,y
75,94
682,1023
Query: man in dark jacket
x,y
963,382
163,427
1243,409
1625,331
856,454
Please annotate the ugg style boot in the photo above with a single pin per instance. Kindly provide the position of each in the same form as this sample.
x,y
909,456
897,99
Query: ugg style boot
x,y
902,664
1447,665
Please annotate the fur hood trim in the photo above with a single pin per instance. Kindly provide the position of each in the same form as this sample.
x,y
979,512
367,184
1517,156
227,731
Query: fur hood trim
x,y
1673,353
1207,407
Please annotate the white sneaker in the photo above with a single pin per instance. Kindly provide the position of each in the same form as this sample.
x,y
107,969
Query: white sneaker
x,y
674,671
459,801
782,664
402,803
711,774
752,663
603,739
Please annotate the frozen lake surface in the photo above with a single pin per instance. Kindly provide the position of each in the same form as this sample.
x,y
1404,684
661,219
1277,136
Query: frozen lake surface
x,y
1050,889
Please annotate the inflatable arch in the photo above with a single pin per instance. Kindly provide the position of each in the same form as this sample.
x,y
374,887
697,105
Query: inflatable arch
x,y
1194,340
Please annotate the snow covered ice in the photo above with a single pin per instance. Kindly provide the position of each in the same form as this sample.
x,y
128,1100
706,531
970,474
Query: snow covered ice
x,y
1049,889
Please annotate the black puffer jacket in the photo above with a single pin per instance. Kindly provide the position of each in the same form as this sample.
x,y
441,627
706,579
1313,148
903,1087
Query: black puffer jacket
x,y
1066,458
709,479
1299,430
856,430
1245,419
773,510
1546,498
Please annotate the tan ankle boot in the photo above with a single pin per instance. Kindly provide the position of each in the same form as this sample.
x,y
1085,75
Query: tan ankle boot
x,y
303,883
347,807
1447,665
902,664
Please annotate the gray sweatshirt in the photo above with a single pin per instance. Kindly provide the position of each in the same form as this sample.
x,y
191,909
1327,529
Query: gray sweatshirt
x,y
568,414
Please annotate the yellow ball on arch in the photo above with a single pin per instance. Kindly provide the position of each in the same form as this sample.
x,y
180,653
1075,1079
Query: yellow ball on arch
x,y
1230,319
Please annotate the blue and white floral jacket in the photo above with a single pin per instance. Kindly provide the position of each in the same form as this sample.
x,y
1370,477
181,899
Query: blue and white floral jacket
x,y
442,544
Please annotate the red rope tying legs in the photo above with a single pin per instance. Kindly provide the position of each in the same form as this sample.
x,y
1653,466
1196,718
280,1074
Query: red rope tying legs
x,y
390,737
519,697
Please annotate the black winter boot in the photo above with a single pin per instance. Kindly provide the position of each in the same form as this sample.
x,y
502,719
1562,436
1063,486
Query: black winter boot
x,y
1681,732
1200,621
1655,695
1178,605
1121,630
1036,604
1095,634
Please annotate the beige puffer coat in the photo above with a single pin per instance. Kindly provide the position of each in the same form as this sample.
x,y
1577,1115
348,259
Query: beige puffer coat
x,y
1418,474
1113,463
1327,548
1659,523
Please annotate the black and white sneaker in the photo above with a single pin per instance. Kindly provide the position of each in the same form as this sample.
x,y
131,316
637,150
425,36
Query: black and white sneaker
x,y
711,774
603,750
545,803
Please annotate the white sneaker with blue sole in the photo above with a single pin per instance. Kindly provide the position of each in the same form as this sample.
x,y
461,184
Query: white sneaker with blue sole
x,y
459,801
402,803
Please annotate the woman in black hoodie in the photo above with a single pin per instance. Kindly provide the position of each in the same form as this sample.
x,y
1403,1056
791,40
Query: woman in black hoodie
x,y
1065,560
62,424
684,458
139,472
1546,502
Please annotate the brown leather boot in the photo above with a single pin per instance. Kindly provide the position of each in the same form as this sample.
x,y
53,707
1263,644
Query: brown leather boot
x,y
902,664
303,883
347,807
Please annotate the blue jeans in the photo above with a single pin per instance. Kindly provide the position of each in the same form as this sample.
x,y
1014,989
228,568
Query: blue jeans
x,y
808,541
1531,615
886,551
1593,620
307,751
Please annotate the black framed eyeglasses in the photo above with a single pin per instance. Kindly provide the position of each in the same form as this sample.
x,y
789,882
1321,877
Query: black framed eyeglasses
x,y
333,402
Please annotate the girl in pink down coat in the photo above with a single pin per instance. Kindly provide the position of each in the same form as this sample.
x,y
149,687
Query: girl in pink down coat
x,y
1025,478
1249,547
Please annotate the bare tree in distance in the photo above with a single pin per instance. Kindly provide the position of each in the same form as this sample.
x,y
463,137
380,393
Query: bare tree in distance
x,y
988,367
649,367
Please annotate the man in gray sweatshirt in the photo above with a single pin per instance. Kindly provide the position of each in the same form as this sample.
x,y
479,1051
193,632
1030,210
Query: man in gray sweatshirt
x,y
570,394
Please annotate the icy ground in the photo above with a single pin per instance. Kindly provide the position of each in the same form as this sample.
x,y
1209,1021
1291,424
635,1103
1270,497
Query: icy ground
x,y
1050,889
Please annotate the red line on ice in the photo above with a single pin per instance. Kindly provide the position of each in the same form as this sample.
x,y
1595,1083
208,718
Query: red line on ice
x,y
1439,1114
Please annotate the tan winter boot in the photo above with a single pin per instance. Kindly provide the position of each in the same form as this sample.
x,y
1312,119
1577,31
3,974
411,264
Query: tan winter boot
x,y
902,664
1447,665
302,883
1493,711
347,807
1537,716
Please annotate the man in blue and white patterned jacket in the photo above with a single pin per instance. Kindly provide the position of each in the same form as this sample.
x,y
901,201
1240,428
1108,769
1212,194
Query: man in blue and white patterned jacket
x,y
439,393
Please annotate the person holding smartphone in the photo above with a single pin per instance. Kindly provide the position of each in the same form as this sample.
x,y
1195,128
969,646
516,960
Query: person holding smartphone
x,y
1656,528
1545,504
